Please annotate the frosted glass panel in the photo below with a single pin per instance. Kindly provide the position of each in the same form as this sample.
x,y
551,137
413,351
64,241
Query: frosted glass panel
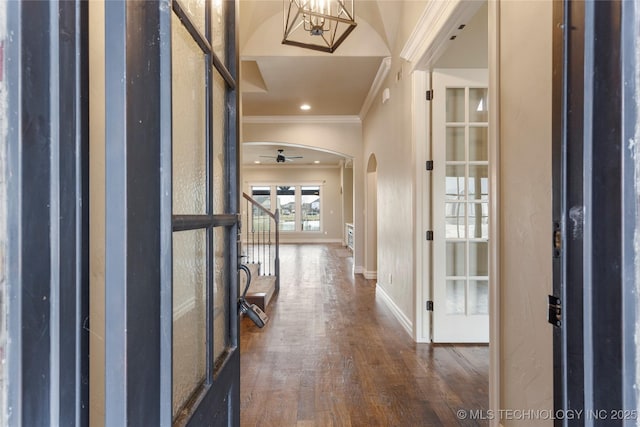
x,y
218,28
195,11
454,182
221,314
219,151
455,105
189,121
456,261
478,108
189,314
478,144
455,144
478,297
478,259
478,221
478,182
455,297
454,220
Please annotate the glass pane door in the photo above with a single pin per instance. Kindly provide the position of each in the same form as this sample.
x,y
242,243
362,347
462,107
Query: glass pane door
x,y
461,207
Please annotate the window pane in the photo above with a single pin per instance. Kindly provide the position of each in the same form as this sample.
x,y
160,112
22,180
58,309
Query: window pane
x,y
286,204
455,297
219,148
455,105
478,144
454,182
478,259
310,206
455,144
189,123
221,313
478,297
218,28
189,314
454,220
478,182
478,108
478,220
195,11
456,261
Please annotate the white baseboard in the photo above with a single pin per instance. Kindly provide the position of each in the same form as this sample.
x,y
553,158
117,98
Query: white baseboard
x,y
397,313
370,275
358,269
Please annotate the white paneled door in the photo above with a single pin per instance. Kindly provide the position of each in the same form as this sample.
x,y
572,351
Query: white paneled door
x,y
460,206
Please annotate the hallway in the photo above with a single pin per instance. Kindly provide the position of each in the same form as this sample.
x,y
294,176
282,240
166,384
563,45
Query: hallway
x,y
333,355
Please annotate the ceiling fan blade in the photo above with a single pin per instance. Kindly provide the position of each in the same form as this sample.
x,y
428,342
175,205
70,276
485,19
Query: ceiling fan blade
x,y
294,157
269,157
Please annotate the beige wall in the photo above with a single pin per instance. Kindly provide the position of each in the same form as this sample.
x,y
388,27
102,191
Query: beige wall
x,y
331,199
525,200
387,130
96,212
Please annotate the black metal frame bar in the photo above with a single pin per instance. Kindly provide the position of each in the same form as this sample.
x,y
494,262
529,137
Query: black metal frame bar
x,y
48,216
595,208
135,282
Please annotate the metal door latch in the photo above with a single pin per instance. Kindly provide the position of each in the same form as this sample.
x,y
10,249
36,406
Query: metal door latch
x,y
555,311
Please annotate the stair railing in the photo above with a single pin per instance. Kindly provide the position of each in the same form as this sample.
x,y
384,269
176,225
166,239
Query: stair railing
x,y
261,238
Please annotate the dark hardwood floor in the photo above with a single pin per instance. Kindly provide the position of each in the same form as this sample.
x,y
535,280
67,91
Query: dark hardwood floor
x,y
333,355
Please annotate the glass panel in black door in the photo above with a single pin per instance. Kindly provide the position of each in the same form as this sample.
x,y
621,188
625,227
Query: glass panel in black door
x,y
205,378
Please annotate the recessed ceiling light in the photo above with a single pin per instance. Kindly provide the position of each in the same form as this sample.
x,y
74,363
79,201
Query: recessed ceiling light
x,y
257,162
316,161
305,107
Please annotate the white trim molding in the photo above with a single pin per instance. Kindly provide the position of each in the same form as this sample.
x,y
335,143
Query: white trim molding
x,y
370,275
358,269
495,318
438,22
383,71
301,119
397,313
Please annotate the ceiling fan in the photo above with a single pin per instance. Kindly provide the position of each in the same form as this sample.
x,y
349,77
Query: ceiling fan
x,y
281,158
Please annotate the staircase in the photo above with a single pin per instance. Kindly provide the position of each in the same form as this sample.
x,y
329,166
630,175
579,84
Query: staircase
x,y
260,252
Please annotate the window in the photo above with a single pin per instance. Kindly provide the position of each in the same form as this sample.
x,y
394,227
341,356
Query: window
x,y
310,207
299,205
286,204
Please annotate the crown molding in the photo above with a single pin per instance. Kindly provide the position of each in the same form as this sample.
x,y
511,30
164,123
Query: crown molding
x,y
381,75
301,119
438,22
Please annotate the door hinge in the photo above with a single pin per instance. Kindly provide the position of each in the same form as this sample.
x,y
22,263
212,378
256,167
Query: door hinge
x,y
429,94
430,235
429,305
555,311
429,165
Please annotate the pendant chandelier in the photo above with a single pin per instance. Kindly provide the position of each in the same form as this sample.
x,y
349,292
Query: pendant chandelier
x,y
318,24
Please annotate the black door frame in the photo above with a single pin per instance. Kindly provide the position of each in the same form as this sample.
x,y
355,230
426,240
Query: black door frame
x,y
47,219
595,203
139,220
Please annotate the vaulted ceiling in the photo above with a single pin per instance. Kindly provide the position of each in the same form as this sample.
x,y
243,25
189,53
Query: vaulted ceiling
x,y
277,79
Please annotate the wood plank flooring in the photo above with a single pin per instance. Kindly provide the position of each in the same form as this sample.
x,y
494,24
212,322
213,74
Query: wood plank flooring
x,y
334,355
